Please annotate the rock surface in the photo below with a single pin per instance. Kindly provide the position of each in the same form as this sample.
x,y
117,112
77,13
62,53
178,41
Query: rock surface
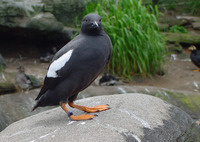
x,y
132,117
40,19
17,13
14,107
182,38
196,25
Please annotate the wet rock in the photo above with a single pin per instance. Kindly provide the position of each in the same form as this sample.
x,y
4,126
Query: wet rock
x,y
132,117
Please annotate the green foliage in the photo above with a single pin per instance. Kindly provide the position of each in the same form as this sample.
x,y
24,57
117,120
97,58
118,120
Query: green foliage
x,y
191,6
178,29
194,6
138,48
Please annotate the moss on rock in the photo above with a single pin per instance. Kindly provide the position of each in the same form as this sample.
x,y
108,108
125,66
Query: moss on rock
x,y
189,103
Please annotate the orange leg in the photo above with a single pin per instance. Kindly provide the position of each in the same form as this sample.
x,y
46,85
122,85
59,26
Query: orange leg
x,y
76,118
90,109
197,70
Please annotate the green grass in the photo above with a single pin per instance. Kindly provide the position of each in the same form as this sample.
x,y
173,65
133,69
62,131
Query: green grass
x,y
194,7
178,29
138,47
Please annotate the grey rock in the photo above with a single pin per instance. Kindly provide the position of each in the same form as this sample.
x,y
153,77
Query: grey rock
x,y
13,13
196,25
66,11
189,18
16,13
14,107
132,117
45,22
50,20
174,48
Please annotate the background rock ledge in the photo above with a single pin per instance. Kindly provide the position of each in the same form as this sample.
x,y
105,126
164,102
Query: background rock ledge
x,y
133,117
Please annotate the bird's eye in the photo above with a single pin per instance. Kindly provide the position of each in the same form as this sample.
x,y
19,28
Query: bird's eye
x,y
86,20
99,20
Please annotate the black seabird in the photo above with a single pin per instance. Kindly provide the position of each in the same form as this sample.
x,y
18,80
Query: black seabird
x,y
75,66
108,80
195,57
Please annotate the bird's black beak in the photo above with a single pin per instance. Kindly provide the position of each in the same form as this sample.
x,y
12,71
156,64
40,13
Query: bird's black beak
x,y
95,24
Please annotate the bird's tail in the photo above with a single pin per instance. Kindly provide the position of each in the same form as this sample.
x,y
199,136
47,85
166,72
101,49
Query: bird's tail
x,y
35,106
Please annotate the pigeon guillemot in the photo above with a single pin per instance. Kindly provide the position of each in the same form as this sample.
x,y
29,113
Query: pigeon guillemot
x,y
195,57
75,66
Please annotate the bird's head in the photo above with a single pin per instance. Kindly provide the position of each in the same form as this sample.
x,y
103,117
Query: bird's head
x,y
91,24
191,48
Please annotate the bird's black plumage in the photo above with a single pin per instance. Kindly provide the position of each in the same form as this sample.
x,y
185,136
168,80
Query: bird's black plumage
x,y
108,79
83,59
194,56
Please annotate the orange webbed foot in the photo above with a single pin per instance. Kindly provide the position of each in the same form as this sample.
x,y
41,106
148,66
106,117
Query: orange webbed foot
x,y
197,70
97,108
76,118
81,117
90,109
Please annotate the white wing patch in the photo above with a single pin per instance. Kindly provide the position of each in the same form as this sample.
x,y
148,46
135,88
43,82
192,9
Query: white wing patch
x,y
58,64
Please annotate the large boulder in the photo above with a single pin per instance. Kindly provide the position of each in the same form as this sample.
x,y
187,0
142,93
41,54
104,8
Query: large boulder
x,y
65,11
132,117
17,13
46,20
22,103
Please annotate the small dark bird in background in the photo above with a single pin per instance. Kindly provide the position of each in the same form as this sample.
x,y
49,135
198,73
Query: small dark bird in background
x,y
75,67
22,80
108,80
48,56
195,57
